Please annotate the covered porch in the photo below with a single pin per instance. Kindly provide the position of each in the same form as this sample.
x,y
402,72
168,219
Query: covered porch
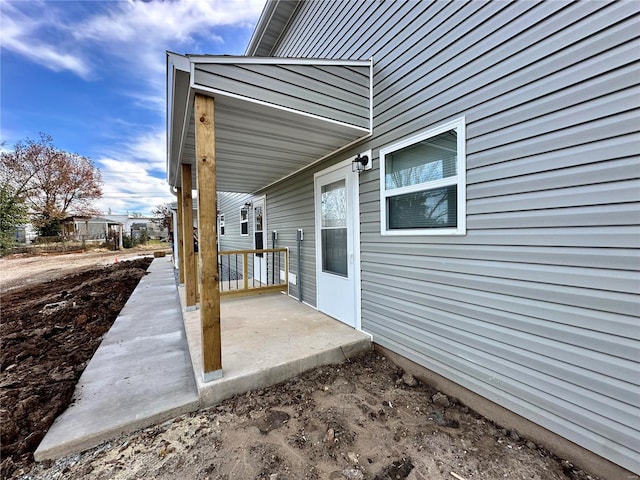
x,y
267,339
242,124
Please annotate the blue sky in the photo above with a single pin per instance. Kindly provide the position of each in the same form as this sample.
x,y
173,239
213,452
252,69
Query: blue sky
x,y
92,75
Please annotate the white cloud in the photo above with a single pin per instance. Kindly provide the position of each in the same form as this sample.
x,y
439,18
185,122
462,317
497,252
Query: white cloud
x,y
148,150
157,22
138,33
20,34
156,102
130,174
152,146
130,187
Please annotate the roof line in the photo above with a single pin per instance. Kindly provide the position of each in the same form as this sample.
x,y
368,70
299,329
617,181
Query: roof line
x,y
273,21
231,59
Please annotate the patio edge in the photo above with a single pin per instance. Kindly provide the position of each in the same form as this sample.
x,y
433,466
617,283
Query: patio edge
x,y
213,393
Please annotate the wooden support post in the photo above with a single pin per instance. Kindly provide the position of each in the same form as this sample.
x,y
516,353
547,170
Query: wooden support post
x,y
188,257
208,249
180,245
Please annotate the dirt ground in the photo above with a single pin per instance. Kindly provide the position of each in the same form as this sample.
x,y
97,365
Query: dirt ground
x,y
20,270
364,419
49,332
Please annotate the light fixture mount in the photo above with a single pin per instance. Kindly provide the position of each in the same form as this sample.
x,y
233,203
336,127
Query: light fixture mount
x,y
361,162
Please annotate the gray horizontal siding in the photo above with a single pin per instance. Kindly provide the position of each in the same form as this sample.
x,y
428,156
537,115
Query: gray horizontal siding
x,y
623,281
537,307
609,170
325,91
606,328
613,259
290,207
626,214
603,193
500,345
598,150
229,204
551,291
589,237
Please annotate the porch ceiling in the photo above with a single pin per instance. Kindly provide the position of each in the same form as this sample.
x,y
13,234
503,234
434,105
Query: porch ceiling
x,y
273,117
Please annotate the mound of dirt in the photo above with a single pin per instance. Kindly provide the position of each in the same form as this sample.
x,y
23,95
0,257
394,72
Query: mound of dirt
x,y
49,332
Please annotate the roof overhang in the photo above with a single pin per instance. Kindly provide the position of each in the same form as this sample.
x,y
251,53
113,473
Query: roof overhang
x,y
273,21
273,116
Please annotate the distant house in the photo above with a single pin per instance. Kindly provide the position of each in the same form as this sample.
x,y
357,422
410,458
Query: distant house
x,y
91,228
25,233
134,225
465,179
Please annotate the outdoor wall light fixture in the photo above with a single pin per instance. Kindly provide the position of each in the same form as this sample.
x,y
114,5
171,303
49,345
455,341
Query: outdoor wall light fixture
x,y
360,163
247,205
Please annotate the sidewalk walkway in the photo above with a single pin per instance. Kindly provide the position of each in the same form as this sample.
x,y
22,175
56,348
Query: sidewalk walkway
x,y
140,375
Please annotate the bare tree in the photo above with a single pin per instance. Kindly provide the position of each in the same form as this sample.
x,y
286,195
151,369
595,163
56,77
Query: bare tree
x,y
162,216
52,183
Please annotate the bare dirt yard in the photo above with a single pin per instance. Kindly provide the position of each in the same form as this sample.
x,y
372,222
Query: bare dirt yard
x,y
364,419
49,331
21,270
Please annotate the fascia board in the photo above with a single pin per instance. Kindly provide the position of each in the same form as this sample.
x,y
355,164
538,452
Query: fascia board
x,y
185,130
274,20
176,65
261,27
227,59
179,62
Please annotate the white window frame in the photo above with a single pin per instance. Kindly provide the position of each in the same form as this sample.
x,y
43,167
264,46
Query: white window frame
x,y
459,180
221,225
245,221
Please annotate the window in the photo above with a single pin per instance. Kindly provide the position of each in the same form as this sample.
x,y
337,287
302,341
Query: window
x,y
244,221
221,225
334,228
422,183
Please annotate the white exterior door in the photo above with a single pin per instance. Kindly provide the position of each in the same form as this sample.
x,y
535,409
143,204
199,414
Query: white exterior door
x,y
337,254
259,241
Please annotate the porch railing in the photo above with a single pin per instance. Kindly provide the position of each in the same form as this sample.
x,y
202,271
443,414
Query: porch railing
x,y
252,272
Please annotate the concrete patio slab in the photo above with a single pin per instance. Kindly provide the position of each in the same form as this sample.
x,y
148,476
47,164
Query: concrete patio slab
x,y
140,375
148,368
268,339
